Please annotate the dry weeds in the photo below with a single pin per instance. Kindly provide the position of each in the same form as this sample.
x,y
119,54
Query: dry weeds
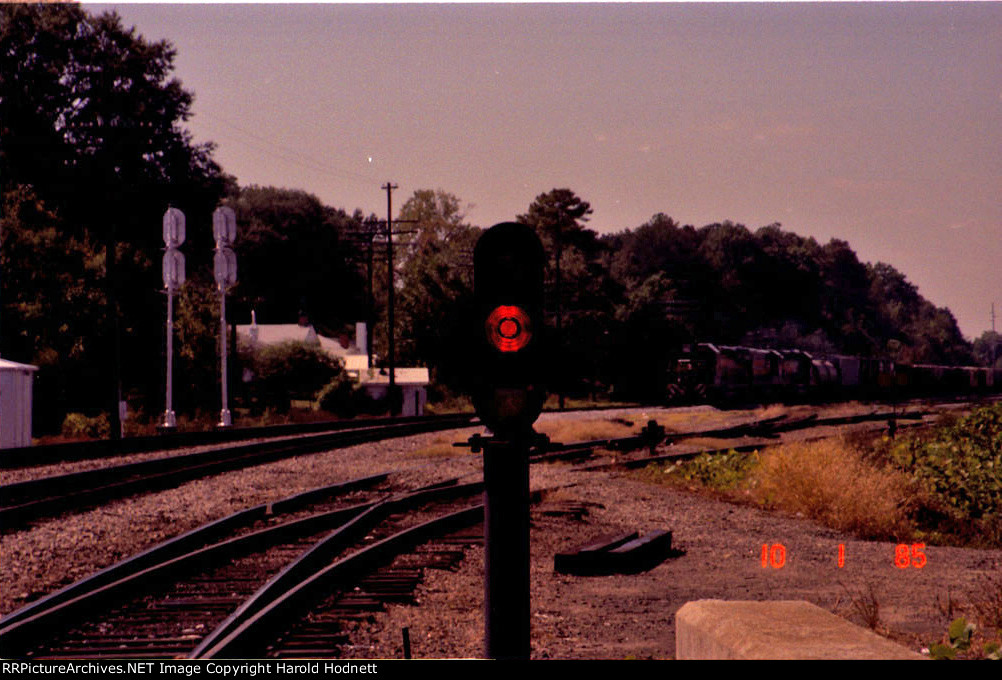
x,y
831,482
587,430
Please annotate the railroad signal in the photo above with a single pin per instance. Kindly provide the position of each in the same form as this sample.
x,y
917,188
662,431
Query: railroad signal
x,y
224,225
173,269
173,277
225,268
173,224
508,390
224,230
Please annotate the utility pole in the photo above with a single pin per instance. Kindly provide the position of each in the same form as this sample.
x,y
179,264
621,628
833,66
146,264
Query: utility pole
x,y
115,149
995,339
389,187
366,238
372,298
560,335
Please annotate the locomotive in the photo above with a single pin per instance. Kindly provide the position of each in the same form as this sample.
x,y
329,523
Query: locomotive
x,y
708,372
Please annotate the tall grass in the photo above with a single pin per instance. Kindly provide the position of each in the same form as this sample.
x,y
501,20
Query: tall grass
x,y
831,481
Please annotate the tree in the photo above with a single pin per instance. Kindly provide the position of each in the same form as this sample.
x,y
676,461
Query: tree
x,y
52,315
292,256
291,370
92,124
988,347
926,334
436,285
89,111
580,294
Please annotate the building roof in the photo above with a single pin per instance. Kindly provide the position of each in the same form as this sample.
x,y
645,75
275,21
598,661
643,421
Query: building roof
x,y
356,362
275,333
403,376
354,357
7,365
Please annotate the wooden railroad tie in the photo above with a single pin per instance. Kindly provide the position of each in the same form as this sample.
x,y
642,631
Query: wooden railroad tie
x,y
626,553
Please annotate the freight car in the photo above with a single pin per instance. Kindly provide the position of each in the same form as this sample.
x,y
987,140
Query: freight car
x,y
724,373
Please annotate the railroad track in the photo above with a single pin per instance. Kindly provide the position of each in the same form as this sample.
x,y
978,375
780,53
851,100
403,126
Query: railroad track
x,y
208,596
282,578
23,502
48,454
766,428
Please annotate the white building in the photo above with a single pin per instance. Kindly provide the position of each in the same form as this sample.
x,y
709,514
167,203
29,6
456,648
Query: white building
x,y
15,403
413,382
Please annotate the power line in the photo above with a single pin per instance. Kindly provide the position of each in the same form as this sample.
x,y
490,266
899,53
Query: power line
x,y
287,154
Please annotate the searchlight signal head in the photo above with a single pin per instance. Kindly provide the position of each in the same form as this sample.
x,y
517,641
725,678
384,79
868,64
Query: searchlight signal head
x,y
508,328
508,264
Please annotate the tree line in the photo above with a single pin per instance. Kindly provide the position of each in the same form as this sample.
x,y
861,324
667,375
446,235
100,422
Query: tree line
x,y
94,149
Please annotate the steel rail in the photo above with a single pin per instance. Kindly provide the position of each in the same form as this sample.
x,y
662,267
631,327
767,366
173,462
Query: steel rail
x,y
25,501
47,454
17,637
247,637
279,587
319,556
644,461
184,543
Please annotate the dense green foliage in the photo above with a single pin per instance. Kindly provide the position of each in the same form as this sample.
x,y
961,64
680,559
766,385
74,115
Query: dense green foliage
x,y
291,370
725,283
436,286
92,151
960,465
279,277
345,398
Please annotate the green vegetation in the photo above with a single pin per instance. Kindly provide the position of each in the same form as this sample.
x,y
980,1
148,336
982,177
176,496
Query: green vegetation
x,y
345,398
961,638
79,426
958,469
720,472
944,487
291,370
960,464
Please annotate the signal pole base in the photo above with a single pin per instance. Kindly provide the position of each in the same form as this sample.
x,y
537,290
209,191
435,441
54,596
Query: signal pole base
x,y
225,420
506,534
168,422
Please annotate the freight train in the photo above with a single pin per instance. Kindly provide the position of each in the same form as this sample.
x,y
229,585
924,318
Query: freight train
x,y
706,372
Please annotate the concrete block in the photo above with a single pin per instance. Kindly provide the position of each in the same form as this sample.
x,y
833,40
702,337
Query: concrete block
x,y
784,629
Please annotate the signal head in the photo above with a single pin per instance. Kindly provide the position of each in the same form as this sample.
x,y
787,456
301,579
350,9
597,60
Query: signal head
x,y
509,388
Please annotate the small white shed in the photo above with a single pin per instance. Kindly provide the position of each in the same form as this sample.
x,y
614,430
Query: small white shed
x,y
15,403
413,384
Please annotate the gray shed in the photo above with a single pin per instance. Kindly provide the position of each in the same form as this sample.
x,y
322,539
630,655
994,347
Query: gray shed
x,y
15,403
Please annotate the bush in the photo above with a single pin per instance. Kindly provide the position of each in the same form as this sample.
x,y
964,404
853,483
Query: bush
x,y
291,370
345,398
79,426
960,464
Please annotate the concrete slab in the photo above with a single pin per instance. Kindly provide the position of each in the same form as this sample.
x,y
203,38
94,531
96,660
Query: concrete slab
x,y
784,629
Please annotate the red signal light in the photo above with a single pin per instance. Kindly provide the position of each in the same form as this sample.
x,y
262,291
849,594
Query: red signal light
x,y
508,328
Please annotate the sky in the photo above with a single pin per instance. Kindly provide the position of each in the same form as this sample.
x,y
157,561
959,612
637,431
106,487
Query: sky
x,y
879,124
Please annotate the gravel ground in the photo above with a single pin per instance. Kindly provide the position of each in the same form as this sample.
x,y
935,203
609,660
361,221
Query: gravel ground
x,y
620,617
60,550
572,617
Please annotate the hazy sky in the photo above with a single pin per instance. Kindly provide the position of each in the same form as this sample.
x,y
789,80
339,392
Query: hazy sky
x,y
879,124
